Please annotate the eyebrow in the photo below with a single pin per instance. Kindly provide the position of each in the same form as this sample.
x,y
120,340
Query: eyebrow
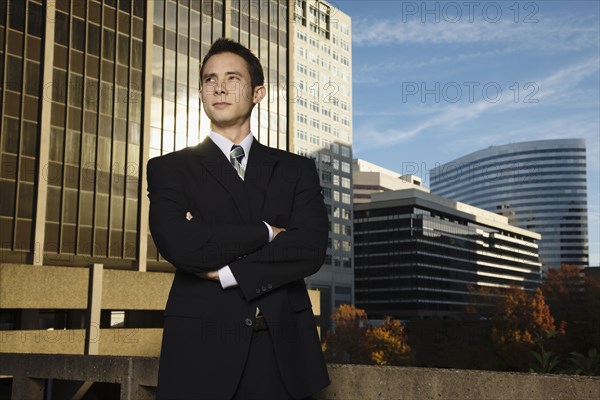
x,y
211,75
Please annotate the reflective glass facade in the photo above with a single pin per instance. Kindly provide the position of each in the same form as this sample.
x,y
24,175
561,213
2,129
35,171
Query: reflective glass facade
x,y
21,43
419,255
91,90
540,186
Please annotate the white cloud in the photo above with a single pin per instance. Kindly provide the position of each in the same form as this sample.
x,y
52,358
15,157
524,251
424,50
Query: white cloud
x,y
564,33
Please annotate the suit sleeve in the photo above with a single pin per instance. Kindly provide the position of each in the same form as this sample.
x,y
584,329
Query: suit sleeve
x,y
194,246
294,254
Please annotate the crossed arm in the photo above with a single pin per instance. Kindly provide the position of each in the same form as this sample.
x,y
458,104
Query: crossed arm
x,y
216,275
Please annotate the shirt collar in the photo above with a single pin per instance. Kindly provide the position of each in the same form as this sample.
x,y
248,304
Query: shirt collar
x,y
225,144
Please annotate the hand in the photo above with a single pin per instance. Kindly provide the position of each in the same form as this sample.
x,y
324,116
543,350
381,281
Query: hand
x,y
189,216
277,231
210,275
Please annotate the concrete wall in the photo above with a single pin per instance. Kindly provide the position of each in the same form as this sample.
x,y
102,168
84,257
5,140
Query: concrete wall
x,y
30,286
137,376
44,287
400,383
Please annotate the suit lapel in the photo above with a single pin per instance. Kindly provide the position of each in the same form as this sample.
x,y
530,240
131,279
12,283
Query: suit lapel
x,y
212,159
258,174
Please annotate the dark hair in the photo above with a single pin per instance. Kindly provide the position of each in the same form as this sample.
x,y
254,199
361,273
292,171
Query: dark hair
x,y
223,45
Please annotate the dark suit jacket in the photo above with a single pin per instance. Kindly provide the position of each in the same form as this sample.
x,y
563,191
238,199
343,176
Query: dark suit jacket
x,y
207,329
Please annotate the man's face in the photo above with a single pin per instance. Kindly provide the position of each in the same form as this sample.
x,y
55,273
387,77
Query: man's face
x,y
227,95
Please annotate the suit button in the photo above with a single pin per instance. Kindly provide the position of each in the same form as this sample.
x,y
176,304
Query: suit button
x,y
269,286
264,289
248,322
257,291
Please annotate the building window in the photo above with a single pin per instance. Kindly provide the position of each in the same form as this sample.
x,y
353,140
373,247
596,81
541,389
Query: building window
x,y
301,51
346,246
314,139
345,151
300,134
336,227
346,229
346,214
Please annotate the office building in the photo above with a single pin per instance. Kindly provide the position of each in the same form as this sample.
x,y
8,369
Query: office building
x,y
93,89
320,127
369,178
419,255
538,185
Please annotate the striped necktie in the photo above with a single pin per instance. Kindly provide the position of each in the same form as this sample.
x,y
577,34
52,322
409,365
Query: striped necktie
x,y
235,156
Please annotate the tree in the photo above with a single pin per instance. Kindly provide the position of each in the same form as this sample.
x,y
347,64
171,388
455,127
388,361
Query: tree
x,y
347,342
518,321
388,343
355,341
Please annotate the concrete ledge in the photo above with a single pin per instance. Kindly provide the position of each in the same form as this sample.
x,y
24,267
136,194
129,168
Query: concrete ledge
x,y
134,374
349,382
401,383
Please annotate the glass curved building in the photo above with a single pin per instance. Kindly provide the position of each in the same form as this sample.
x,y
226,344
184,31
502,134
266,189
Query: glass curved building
x,y
539,185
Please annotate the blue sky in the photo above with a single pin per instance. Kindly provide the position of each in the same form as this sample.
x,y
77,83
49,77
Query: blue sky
x,y
502,72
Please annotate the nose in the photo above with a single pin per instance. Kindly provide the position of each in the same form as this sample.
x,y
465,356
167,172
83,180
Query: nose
x,y
220,88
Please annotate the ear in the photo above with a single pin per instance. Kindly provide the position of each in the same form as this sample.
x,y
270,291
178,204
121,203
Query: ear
x,y
259,93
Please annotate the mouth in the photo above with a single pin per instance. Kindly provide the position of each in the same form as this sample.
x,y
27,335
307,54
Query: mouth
x,y
221,105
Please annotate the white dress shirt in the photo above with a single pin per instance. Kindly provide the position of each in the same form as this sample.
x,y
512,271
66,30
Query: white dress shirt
x,y
225,275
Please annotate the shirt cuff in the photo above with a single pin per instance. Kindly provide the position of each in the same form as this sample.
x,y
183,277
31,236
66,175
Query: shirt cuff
x,y
226,278
270,231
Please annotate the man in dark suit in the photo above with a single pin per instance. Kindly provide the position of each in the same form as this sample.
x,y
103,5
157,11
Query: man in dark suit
x,y
243,224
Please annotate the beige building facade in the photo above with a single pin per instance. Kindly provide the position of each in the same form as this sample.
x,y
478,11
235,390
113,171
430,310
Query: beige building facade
x,y
320,127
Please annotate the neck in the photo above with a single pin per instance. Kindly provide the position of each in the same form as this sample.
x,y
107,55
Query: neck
x,y
234,133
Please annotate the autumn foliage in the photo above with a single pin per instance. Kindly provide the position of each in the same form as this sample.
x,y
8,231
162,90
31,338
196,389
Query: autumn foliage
x,y
356,341
520,319
554,329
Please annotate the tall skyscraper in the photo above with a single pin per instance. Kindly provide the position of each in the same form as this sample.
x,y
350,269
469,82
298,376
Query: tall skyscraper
x,y
321,128
539,185
91,91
